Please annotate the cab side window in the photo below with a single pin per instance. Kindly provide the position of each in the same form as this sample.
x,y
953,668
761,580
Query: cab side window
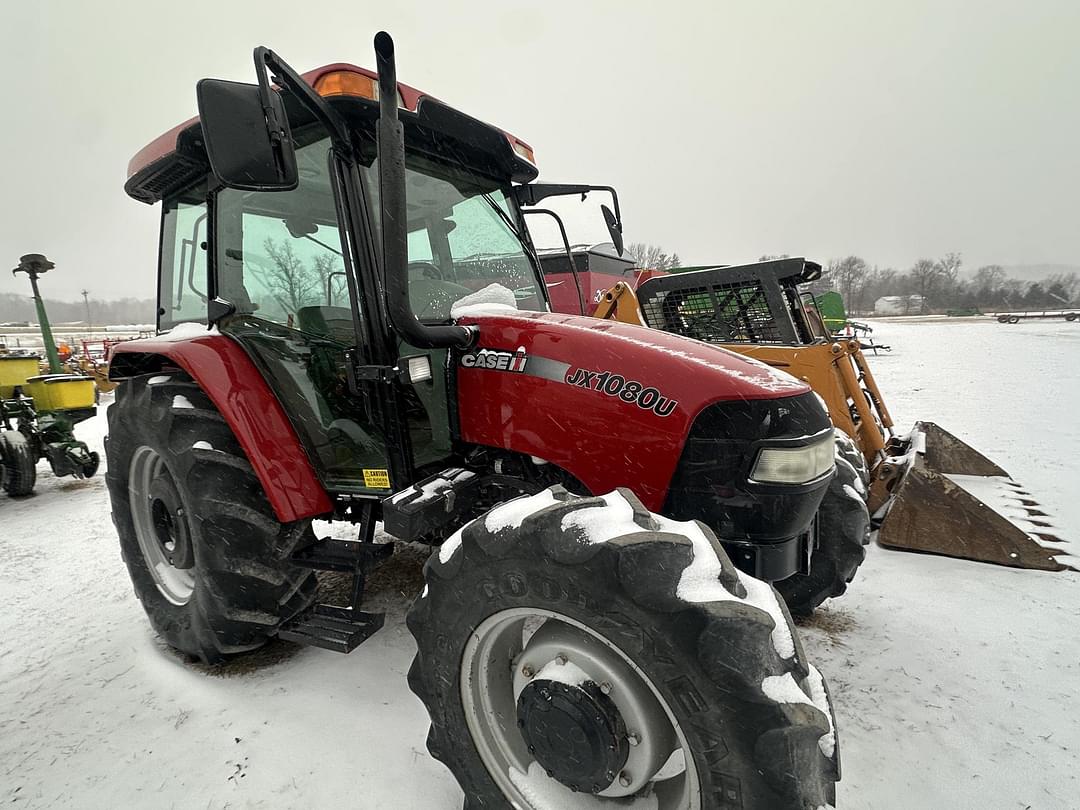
x,y
182,283
275,263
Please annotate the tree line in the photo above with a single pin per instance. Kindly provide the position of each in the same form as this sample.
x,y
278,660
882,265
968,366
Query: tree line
x,y
940,286
18,308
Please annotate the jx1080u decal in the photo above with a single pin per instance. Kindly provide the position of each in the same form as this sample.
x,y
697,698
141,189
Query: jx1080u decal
x,y
629,391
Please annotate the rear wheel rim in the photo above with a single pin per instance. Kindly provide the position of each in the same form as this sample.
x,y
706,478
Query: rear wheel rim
x,y
503,652
175,584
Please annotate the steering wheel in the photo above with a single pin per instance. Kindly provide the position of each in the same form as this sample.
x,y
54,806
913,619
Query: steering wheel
x,y
426,269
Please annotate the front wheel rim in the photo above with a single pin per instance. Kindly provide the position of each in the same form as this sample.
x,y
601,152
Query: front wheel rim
x,y
175,584
511,648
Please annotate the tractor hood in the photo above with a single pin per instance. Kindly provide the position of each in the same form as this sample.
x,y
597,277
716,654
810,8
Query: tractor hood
x,y
626,394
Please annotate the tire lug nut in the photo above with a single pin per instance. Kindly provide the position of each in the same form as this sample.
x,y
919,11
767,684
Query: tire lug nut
x,y
560,659
624,778
633,738
605,687
528,671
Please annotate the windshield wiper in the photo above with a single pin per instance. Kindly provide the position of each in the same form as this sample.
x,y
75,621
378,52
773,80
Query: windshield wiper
x,y
509,223
321,244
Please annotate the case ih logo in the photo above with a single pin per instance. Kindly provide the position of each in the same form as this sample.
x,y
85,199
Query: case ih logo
x,y
497,360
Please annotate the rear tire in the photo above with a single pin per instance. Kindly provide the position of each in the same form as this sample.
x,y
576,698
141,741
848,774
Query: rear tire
x,y
843,534
18,467
226,583
715,647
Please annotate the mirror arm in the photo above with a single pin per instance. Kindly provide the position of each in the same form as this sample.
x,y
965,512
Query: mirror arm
x,y
288,79
567,248
533,193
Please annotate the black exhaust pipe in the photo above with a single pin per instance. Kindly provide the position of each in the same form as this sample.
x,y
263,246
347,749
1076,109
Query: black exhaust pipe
x,y
395,251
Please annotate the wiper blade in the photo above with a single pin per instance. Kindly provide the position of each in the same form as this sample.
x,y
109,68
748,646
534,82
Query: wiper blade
x,y
498,209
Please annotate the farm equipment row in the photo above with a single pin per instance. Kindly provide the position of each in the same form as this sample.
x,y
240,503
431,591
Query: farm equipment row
x,y
38,412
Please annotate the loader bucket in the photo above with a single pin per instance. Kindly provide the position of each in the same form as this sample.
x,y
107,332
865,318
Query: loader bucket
x,y
949,499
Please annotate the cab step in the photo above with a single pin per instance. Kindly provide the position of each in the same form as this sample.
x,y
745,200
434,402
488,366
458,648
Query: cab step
x,y
346,556
332,628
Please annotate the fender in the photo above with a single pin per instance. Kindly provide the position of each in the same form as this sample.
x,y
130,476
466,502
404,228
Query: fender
x,y
610,403
225,372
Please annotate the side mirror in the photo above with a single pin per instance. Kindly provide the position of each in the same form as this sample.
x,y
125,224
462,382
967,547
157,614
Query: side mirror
x,y
248,143
614,228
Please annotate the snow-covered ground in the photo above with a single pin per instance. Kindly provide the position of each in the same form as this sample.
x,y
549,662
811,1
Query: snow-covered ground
x,y
956,684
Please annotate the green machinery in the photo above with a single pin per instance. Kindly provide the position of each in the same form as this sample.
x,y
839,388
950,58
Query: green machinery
x,y
38,412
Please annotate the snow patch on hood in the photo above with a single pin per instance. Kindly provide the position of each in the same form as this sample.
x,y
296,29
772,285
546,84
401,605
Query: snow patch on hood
x,y
494,299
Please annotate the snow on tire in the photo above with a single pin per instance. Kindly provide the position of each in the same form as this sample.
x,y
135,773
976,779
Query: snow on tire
x,y
207,556
843,524
578,652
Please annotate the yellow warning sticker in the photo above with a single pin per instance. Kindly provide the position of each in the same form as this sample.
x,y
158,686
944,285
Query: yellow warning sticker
x,y
377,479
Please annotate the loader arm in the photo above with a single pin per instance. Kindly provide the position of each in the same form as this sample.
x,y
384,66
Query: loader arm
x,y
619,303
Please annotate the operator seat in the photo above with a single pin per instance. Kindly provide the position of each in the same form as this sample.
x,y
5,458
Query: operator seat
x,y
329,322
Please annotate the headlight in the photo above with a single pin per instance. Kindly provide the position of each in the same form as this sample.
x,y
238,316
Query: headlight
x,y
794,465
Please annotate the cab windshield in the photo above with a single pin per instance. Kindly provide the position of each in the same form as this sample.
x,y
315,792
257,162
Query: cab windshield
x,y
279,253
462,236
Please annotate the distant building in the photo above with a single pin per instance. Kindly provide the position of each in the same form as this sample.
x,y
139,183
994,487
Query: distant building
x,y
899,305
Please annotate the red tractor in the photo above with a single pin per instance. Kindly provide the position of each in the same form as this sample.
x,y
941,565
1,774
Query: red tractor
x,y
354,327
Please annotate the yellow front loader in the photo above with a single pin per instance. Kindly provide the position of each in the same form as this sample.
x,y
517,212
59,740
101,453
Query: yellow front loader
x,y
928,491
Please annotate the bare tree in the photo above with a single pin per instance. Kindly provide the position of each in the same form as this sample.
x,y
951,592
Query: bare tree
x,y
948,279
849,278
652,257
990,276
949,266
325,265
1068,283
287,279
924,274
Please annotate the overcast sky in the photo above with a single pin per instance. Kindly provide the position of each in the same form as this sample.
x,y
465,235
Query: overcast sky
x,y
891,130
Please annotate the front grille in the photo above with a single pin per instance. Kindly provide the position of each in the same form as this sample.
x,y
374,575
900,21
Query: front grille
x,y
711,481
718,313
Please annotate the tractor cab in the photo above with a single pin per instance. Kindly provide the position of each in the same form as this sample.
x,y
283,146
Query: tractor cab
x,y
269,268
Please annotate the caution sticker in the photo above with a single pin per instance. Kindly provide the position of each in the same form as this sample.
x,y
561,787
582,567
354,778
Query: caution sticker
x,y
377,479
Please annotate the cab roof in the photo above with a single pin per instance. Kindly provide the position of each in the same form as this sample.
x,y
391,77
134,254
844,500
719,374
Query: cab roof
x,y
177,158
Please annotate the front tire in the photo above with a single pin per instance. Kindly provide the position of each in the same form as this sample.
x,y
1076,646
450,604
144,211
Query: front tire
x,y
843,533
208,558
567,645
